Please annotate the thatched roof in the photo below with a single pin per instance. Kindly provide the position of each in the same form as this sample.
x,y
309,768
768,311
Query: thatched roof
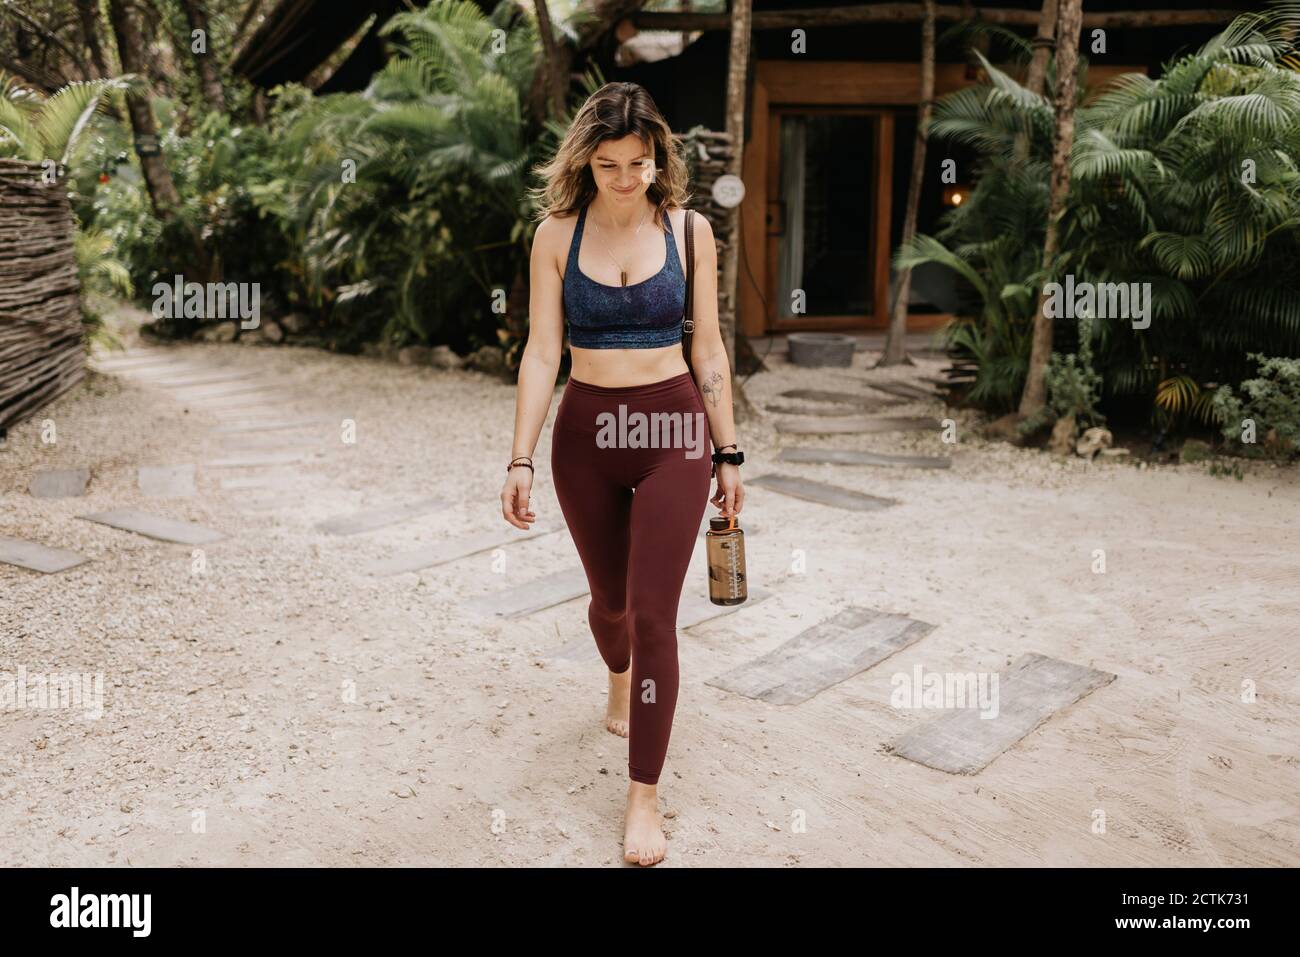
x,y
298,36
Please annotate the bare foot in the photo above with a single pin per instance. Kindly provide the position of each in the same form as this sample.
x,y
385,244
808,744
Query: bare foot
x,y
643,837
617,704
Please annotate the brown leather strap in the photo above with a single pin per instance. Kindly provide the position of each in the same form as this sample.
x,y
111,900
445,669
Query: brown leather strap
x,y
688,321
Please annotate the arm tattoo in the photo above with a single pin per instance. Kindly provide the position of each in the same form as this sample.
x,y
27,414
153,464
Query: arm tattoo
x,y
713,388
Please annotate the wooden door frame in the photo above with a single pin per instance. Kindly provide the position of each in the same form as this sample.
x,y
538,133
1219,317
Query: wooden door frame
x,y
878,243
887,87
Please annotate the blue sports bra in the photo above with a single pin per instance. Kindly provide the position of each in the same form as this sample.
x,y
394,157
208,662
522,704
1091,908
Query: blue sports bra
x,y
643,315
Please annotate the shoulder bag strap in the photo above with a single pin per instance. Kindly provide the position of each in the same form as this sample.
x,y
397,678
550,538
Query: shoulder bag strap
x,y
688,322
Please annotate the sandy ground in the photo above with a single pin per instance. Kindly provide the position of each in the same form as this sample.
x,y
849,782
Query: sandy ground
x,y
284,707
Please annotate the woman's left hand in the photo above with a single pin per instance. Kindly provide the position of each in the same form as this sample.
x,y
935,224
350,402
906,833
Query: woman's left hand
x,y
730,496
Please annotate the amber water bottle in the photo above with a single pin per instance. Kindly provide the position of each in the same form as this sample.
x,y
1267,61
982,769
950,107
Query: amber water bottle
x,y
725,548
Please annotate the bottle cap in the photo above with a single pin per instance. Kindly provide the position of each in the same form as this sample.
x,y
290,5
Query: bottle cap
x,y
721,524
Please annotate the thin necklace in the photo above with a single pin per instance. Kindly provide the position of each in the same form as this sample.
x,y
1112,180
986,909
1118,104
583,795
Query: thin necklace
x,y
622,273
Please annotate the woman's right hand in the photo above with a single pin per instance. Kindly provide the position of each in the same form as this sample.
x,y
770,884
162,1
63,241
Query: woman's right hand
x,y
515,495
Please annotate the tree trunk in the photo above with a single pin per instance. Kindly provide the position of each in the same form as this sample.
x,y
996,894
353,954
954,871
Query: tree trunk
x,y
130,49
895,352
209,79
1069,22
554,71
88,13
1036,79
737,70
249,13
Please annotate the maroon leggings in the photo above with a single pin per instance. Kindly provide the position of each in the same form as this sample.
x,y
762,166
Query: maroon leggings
x,y
635,547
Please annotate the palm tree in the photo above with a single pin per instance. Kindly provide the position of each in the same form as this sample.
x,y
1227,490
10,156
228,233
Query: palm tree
x,y
437,141
1189,182
38,128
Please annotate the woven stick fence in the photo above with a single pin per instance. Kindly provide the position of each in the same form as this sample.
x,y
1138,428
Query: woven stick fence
x,y
41,343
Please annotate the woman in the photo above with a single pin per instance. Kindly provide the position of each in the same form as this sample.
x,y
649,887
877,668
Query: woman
x,y
608,260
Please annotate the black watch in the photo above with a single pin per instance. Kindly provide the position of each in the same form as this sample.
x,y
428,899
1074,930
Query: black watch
x,y
731,458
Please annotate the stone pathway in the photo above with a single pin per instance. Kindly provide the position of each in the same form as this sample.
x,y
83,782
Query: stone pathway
x,y
822,493
59,483
866,425
36,557
854,457
261,440
965,740
829,652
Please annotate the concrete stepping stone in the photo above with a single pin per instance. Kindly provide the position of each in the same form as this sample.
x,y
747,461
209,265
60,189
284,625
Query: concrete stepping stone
x,y
536,595
241,405
854,424
59,483
37,558
824,655
856,399
266,480
267,504
134,358
253,460
441,553
826,413
267,443
166,481
823,493
379,517
267,425
1036,687
903,390
162,369
854,457
155,526
222,390
206,378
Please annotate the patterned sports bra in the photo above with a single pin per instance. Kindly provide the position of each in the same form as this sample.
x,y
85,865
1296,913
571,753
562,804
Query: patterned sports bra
x,y
643,315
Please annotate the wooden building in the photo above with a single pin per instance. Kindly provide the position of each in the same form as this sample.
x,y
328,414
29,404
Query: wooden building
x,y
831,100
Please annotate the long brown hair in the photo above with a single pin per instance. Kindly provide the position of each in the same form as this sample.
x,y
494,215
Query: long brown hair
x,y
611,113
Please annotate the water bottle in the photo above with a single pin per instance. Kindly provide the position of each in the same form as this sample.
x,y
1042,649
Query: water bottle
x,y
725,550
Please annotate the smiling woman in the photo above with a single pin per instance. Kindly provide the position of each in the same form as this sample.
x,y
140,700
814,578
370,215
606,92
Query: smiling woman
x,y
620,288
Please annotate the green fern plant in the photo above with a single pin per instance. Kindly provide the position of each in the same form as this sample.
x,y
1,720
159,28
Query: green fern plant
x,y
38,128
436,219
1189,181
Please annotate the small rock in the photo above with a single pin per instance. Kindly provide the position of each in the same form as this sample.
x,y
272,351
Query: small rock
x,y
295,323
1005,428
443,357
1093,441
1194,450
1062,440
221,332
490,359
414,356
272,332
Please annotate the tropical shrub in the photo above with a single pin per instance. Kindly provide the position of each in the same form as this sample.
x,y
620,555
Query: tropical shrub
x,y
409,206
37,128
1268,411
229,177
1189,182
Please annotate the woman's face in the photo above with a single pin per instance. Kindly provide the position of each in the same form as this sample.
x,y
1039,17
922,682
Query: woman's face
x,y
623,169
